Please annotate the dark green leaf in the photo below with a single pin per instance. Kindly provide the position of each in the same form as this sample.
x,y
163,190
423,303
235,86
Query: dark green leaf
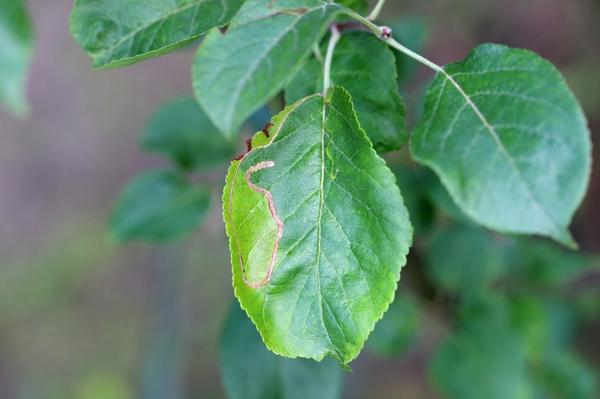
x,y
360,6
547,264
482,359
16,48
398,330
508,140
117,33
464,259
564,376
236,73
316,206
364,66
158,206
414,183
546,325
250,371
485,308
183,132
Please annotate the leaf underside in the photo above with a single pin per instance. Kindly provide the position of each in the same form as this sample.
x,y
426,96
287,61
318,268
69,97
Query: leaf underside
x,y
314,205
117,33
511,145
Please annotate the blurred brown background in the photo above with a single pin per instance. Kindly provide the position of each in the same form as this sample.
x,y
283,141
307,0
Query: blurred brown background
x,y
83,318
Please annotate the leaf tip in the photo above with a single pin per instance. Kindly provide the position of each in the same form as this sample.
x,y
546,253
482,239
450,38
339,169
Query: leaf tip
x,y
565,238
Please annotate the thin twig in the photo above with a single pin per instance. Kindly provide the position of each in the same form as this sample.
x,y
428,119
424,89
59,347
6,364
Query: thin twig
x,y
385,34
376,10
333,40
417,57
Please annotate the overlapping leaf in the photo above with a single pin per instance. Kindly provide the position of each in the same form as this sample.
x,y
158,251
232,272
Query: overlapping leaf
x,y
183,132
16,45
318,231
509,141
366,67
117,33
235,73
250,371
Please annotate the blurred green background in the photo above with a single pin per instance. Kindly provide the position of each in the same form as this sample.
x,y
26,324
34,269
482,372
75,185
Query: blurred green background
x,y
84,318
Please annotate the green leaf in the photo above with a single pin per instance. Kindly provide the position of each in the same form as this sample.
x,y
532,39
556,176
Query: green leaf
x,y
253,10
158,206
117,33
564,376
546,325
360,6
182,131
397,332
439,196
485,308
508,140
547,264
16,48
364,66
235,73
318,231
464,259
250,371
414,183
482,359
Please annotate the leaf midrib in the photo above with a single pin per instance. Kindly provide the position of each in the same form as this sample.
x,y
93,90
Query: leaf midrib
x,y
136,31
320,216
492,131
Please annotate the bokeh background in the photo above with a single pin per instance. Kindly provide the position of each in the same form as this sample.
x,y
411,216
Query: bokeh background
x,y
82,317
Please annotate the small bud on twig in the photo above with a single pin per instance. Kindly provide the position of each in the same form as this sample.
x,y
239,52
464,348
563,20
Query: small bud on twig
x,y
386,32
